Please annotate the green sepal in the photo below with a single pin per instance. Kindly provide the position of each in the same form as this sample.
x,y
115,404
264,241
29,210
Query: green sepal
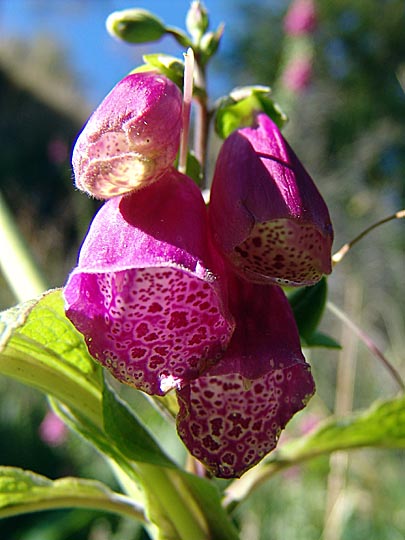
x,y
170,66
239,109
135,26
210,42
308,305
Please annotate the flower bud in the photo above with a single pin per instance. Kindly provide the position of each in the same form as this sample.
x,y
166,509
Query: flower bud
x,y
131,138
197,20
135,26
266,214
147,292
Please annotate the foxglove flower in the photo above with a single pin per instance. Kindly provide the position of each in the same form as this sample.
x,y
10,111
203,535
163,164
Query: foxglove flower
x,y
232,415
267,216
131,138
147,292
301,18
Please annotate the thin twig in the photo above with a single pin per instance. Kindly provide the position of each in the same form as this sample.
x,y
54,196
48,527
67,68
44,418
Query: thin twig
x,y
338,256
368,342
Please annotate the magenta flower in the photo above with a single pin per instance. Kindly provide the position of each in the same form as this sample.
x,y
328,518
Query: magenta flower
x,y
267,216
131,138
147,293
154,292
232,415
300,18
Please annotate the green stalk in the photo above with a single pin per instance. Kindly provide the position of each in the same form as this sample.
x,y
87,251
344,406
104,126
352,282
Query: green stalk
x,y
175,501
16,263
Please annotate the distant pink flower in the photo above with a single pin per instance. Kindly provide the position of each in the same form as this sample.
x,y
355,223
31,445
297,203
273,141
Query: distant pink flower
x,y
52,430
232,415
147,292
300,18
297,74
267,216
131,138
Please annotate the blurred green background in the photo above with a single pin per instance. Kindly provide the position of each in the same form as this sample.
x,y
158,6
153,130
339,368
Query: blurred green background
x,y
347,125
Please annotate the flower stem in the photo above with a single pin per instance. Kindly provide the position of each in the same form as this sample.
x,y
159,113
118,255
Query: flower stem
x,y
187,97
338,256
201,120
175,500
16,262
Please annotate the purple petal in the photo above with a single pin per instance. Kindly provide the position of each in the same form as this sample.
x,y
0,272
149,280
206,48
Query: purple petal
x,y
131,138
147,293
232,415
267,216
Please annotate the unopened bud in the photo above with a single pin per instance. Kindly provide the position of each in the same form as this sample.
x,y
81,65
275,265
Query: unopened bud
x,y
131,138
197,20
135,26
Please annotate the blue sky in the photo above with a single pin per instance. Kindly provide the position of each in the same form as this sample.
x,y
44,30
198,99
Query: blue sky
x,y
79,27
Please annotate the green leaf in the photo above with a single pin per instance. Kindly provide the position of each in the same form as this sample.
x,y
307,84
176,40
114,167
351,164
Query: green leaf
x,y
129,434
96,436
318,339
308,305
238,110
380,426
24,491
41,348
136,443
210,42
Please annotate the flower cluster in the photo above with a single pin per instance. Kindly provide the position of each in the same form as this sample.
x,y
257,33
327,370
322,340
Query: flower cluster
x,y
172,295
